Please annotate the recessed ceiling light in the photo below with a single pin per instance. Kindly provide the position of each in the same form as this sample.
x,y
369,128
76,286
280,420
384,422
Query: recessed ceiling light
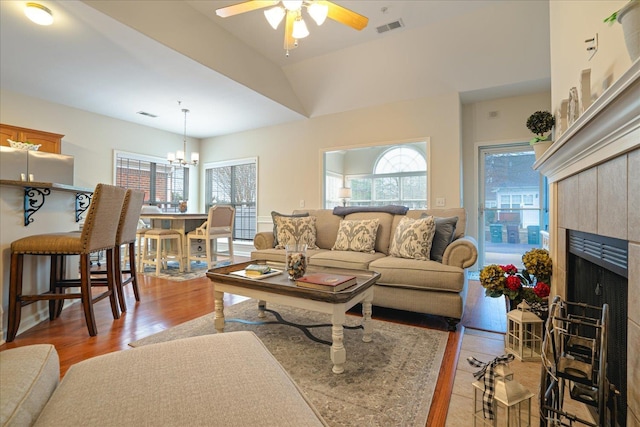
x,y
39,14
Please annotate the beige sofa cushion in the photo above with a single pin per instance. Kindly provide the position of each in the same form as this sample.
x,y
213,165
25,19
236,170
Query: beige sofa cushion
x,y
409,273
28,377
344,259
227,379
327,225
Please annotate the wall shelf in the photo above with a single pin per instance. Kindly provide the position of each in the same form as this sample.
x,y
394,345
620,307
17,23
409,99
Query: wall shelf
x,y
35,194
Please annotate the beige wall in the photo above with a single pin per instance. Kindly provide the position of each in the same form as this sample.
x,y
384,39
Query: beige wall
x,y
573,22
290,155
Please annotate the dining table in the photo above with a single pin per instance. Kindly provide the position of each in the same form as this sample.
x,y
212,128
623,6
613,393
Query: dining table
x,y
182,222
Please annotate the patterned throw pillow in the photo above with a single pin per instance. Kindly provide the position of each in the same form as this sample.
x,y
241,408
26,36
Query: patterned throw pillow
x,y
274,215
357,235
292,230
412,238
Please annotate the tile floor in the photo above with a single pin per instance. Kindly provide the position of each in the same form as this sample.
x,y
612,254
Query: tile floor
x,y
485,346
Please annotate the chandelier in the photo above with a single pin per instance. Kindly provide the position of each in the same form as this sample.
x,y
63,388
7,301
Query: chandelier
x,y
179,157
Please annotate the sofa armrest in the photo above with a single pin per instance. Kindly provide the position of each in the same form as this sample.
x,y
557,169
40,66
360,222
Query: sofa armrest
x,y
263,240
462,252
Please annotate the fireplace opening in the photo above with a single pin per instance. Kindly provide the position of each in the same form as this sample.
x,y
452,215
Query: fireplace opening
x,y
597,274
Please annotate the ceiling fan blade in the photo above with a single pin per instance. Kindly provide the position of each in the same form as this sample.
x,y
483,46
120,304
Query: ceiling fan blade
x,y
289,41
247,6
345,16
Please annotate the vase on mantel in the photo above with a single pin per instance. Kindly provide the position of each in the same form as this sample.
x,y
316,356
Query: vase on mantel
x,y
629,18
540,147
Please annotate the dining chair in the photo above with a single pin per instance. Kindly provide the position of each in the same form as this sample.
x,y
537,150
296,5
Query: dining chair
x,y
219,225
98,233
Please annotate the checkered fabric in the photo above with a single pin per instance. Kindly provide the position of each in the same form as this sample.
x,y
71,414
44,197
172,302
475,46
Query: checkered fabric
x,y
488,374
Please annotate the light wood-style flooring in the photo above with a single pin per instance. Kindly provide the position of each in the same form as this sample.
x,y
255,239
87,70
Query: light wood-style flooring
x,y
167,303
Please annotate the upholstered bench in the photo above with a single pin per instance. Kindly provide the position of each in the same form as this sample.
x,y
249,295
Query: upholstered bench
x,y
226,379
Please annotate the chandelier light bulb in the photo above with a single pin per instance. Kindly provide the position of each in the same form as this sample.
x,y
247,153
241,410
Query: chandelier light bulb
x,y
300,30
274,16
39,14
292,5
318,12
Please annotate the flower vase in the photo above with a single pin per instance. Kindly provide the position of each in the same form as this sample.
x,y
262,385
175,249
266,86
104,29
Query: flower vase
x,y
182,206
296,260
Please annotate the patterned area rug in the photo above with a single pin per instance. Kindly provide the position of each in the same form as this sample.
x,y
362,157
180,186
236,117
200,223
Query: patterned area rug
x,y
387,382
198,269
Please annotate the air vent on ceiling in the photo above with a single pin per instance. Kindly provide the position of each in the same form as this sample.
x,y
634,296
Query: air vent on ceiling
x,y
390,26
144,113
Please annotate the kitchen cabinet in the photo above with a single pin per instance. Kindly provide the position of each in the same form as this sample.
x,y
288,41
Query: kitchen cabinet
x,y
51,142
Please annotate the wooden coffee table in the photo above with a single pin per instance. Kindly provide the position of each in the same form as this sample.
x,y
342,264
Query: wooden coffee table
x,y
279,289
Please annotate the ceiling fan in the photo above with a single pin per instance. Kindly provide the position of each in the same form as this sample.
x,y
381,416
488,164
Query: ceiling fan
x,y
295,27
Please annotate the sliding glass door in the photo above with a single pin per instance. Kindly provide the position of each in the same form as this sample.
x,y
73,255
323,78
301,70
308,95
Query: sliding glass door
x,y
512,204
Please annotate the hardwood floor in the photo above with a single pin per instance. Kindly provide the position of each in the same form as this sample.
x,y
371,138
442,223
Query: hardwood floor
x,y
168,303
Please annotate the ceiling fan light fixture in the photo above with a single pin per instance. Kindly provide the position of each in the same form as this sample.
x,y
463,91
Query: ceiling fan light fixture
x,y
300,29
38,13
318,12
292,5
274,16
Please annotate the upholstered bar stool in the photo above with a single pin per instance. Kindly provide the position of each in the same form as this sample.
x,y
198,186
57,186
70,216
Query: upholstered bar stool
x,y
126,236
98,233
167,245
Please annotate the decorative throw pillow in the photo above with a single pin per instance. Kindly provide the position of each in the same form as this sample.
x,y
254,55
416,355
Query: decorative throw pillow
x,y
445,231
357,235
412,238
292,230
275,214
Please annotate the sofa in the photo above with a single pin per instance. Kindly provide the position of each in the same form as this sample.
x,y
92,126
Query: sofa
x,y
436,285
226,379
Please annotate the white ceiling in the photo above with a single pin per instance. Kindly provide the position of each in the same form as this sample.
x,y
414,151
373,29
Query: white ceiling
x,y
119,57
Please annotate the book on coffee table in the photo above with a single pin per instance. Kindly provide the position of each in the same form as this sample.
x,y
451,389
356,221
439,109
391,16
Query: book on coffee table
x,y
251,274
326,282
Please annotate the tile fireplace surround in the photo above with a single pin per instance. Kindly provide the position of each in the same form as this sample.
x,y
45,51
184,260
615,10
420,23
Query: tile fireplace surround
x,y
594,177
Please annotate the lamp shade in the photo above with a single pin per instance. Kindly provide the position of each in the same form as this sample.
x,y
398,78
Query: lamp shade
x,y
344,193
274,16
318,12
300,30
39,14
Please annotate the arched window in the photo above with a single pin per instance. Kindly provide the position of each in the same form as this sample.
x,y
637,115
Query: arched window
x,y
400,159
399,177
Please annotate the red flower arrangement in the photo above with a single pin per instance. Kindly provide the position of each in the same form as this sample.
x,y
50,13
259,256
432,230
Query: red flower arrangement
x,y
530,284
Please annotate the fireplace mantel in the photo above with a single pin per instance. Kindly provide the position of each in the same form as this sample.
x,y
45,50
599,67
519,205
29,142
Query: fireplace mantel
x,y
608,128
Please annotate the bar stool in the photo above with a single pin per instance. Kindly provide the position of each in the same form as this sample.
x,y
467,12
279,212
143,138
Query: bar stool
x,y
126,235
161,251
98,233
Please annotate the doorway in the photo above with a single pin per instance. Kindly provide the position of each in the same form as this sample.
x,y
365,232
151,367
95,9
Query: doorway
x,y
512,204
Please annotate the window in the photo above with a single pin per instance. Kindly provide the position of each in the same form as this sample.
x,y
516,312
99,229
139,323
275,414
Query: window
x,y
234,183
164,185
399,177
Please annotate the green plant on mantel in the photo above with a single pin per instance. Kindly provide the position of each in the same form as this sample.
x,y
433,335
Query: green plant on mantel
x,y
614,16
540,123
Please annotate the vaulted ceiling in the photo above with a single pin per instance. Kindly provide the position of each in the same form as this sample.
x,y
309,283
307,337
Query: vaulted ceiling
x,y
118,58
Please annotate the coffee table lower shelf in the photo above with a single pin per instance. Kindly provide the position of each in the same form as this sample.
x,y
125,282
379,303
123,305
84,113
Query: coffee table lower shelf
x,y
278,289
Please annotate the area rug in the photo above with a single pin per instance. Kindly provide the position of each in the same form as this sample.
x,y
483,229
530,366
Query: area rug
x,y
387,382
173,273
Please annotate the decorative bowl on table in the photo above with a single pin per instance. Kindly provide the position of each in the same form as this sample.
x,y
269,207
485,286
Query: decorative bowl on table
x,y
24,145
